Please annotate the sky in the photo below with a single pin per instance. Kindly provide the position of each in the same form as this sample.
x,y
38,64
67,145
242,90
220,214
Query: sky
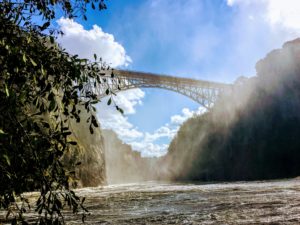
x,y
217,40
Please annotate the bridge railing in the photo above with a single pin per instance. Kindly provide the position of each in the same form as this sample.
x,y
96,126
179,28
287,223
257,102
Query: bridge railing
x,y
167,78
201,91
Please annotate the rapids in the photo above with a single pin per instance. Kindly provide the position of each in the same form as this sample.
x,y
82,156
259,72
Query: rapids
x,y
260,202
265,202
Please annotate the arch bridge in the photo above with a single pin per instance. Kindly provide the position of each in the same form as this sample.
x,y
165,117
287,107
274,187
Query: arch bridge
x,y
204,92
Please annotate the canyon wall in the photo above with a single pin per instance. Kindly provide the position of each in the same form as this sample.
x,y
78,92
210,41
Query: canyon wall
x,y
251,133
89,152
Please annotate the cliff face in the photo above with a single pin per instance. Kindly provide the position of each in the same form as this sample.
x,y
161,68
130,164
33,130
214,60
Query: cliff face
x,y
105,159
123,165
252,133
89,152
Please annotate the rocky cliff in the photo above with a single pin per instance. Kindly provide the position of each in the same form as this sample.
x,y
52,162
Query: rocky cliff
x,y
89,152
105,159
252,133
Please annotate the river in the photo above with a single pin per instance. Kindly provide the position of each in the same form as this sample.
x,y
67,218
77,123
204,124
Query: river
x,y
275,202
265,202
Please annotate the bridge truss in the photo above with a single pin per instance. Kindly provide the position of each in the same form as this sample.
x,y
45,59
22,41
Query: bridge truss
x,y
203,92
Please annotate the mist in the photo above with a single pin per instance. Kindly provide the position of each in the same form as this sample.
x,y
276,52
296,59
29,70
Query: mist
x,y
123,165
251,133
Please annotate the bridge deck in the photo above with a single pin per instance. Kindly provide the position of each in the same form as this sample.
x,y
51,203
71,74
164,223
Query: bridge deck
x,y
204,92
161,78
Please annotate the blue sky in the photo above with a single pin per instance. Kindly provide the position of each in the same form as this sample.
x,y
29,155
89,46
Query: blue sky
x,y
216,40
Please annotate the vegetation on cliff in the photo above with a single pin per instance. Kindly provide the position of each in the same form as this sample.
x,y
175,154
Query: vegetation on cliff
x,y
253,133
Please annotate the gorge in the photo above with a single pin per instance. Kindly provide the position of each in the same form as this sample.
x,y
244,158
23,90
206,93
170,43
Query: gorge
x,y
250,135
149,112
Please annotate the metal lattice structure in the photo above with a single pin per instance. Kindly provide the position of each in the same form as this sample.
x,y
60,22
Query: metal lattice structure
x,y
203,92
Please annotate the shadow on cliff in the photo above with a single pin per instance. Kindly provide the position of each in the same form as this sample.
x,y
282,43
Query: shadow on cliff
x,y
250,133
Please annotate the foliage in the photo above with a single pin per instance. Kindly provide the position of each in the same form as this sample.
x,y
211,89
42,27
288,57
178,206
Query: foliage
x,y
42,88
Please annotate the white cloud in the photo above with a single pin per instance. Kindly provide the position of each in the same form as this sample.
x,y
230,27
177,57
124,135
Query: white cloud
x,y
150,149
163,132
128,99
85,43
179,119
276,12
285,13
256,28
148,145
110,118
78,40
230,2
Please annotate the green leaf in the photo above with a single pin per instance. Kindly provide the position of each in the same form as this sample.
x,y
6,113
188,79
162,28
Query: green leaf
x,y
2,132
43,71
109,101
24,58
66,133
6,90
119,109
7,159
52,105
95,123
95,56
91,130
52,40
33,62
45,26
28,39
107,91
102,5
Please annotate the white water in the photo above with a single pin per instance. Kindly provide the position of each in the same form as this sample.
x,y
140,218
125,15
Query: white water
x,y
275,202
270,202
